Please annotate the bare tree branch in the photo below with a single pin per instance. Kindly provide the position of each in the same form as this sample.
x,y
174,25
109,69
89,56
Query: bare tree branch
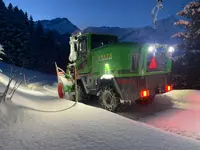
x,y
182,22
9,98
12,74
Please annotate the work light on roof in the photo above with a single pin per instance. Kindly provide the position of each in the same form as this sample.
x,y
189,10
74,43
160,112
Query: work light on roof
x,y
151,48
171,49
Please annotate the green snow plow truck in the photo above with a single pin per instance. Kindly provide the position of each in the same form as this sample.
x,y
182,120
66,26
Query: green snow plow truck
x,y
118,72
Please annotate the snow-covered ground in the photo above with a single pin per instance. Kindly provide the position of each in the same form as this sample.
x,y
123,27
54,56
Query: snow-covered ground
x,y
183,118
39,120
177,111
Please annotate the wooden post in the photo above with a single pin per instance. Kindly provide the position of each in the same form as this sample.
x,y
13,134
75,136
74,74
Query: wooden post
x,y
25,79
57,71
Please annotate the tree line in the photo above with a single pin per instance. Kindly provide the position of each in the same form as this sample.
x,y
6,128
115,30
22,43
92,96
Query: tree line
x,y
27,44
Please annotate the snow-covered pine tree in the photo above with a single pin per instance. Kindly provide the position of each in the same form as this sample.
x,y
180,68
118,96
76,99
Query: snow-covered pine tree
x,y
3,24
191,44
191,36
1,51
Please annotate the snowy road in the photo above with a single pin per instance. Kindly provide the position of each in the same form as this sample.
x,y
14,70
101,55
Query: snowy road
x,y
177,112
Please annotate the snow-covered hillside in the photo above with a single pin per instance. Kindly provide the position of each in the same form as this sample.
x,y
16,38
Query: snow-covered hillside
x,y
162,34
61,25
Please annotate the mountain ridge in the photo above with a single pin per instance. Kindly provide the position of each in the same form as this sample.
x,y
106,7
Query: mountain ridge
x,y
61,25
162,34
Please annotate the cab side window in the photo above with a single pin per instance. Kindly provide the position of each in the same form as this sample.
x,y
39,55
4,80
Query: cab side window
x,y
135,61
82,53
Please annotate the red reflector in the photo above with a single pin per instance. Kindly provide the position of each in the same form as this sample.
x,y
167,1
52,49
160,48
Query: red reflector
x,y
168,88
144,93
153,64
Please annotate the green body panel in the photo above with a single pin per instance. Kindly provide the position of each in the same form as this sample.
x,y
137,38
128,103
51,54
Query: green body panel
x,y
116,59
117,56
68,88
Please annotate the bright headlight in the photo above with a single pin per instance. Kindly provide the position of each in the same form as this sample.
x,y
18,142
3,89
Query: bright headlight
x,y
171,49
151,48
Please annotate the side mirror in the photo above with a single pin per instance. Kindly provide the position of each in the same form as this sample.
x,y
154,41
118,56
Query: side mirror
x,y
82,38
80,46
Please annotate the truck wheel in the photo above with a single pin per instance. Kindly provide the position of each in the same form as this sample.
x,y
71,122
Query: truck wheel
x,y
82,96
61,92
109,100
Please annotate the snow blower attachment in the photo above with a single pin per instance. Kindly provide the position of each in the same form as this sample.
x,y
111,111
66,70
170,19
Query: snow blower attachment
x,y
65,82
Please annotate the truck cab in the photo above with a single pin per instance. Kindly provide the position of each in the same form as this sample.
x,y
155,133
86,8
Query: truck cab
x,y
89,42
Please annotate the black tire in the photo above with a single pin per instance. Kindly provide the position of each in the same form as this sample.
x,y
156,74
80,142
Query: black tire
x,y
82,95
109,100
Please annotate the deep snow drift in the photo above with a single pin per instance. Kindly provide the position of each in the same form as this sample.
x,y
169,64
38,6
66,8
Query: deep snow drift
x,y
39,120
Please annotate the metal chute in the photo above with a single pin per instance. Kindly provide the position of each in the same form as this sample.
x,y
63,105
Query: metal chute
x,y
155,11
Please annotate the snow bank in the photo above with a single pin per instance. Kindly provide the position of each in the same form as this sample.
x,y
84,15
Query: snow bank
x,y
183,117
189,99
179,95
30,75
4,80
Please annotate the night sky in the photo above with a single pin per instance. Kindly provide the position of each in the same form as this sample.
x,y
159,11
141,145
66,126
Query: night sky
x,y
83,13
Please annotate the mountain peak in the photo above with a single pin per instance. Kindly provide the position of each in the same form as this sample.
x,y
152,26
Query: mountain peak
x,y
61,25
60,19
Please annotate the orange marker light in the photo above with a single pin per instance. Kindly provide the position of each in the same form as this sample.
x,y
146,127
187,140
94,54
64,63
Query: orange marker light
x,y
144,93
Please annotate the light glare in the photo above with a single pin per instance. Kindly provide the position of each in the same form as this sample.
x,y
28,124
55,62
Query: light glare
x,y
171,49
107,76
151,48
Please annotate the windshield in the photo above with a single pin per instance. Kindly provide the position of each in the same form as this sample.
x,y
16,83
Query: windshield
x,y
156,61
101,40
